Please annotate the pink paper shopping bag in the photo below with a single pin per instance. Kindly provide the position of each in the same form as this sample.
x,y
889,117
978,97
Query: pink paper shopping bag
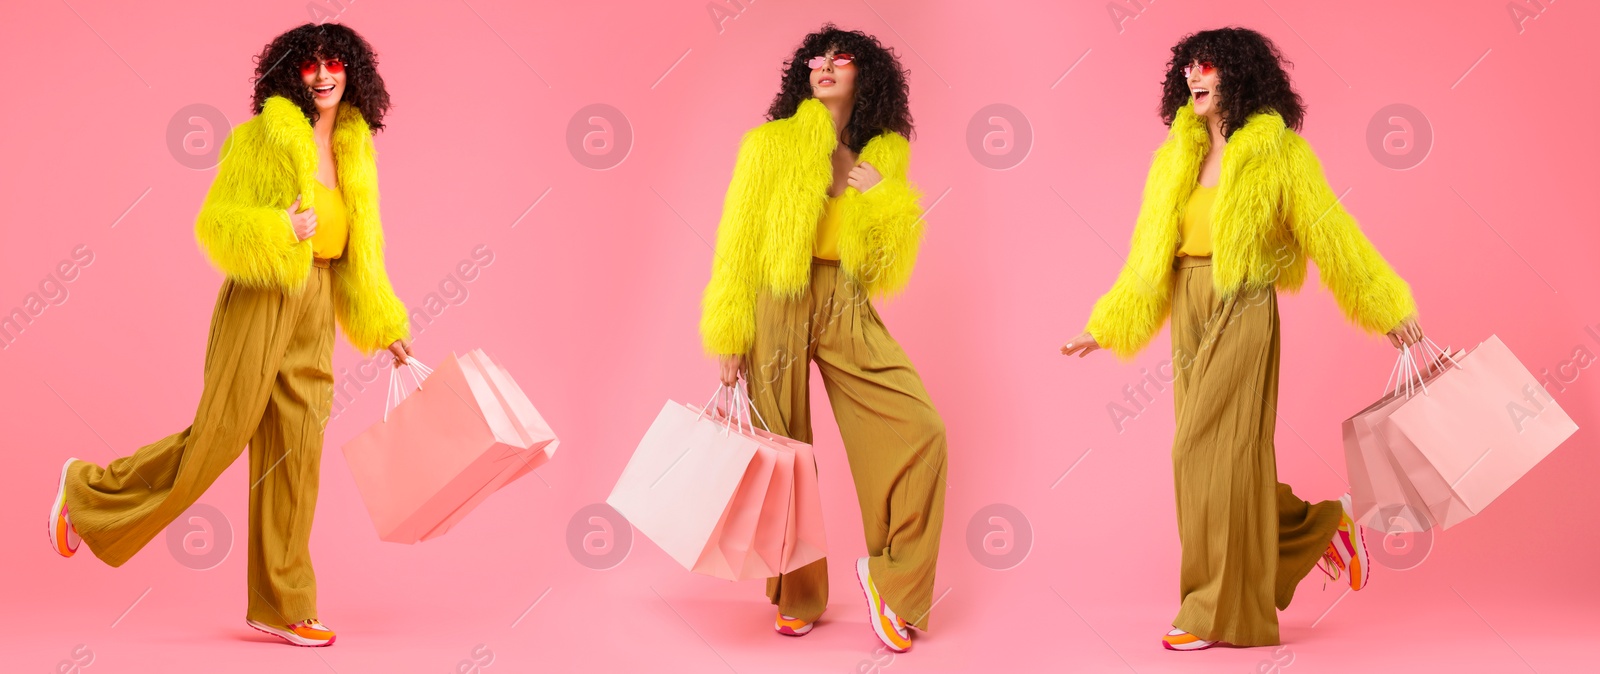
x,y
805,539
1481,425
732,512
738,549
789,533
679,486
536,436
1383,495
429,461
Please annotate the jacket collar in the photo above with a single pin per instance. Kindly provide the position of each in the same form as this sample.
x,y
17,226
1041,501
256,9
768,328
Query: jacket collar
x,y
287,127
811,126
1262,133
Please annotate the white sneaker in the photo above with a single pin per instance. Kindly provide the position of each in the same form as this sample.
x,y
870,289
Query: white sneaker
x,y
304,633
1179,640
891,630
63,537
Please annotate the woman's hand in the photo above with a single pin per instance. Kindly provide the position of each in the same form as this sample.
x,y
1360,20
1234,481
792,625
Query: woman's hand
x,y
305,224
401,350
1408,332
732,366
863,176
1083,344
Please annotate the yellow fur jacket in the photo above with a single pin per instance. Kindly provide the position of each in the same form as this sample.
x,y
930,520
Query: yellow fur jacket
x,y
244,227
769,222
1273,210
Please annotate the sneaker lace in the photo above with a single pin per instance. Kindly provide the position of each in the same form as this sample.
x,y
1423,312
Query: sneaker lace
x,y
1331,566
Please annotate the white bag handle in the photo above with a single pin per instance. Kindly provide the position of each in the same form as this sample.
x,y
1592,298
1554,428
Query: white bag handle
x,y
717,400
397,392
1411,372
739,408
752,402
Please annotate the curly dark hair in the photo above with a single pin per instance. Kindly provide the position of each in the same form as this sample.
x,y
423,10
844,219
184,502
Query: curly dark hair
x,y
1250,73
278,70
882,96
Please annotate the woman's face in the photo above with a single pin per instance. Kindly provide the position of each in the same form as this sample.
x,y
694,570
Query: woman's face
x,y
1203,79
831,80
325,78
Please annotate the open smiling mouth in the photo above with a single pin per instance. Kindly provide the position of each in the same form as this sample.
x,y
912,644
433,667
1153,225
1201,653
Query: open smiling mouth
x,y
1200,94
323,90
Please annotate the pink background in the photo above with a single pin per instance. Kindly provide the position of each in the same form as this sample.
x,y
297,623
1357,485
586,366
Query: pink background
x,y
592,302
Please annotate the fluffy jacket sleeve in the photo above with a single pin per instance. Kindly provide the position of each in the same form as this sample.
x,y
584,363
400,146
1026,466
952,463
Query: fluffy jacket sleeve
x,y
365,304
728,307
364,301
1129,315
243,225
885,221
1368,291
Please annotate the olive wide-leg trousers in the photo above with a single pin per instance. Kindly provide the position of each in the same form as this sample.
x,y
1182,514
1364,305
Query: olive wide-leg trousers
x,y
1247,539
893,437
268,383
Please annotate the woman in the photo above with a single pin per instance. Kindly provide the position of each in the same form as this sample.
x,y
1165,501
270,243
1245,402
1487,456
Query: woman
x,y
292,221
818,217
1234,204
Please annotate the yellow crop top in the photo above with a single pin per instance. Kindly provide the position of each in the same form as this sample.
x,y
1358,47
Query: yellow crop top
x,y
332,230
1196,227
827,244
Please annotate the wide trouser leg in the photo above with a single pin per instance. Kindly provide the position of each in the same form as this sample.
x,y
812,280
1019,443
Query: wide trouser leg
x,y
1247,539
893,437
778,371
121,507
285,462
